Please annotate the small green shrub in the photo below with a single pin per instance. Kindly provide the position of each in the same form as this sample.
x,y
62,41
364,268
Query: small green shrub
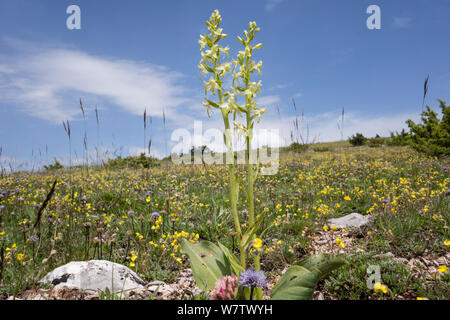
x,y
377,141
432,136
357,140
399,139
298,147
54,166
141,161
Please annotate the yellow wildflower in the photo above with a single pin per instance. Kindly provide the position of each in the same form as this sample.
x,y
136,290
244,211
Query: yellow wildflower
x,y
442,269
378,288
257,243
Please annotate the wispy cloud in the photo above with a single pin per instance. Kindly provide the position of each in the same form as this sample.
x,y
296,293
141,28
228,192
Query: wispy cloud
x,y
323,127
47,82
136,151
265,101
280,86
271,4
402,22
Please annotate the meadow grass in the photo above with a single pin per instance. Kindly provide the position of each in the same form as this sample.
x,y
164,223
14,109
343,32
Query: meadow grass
x,y
138,217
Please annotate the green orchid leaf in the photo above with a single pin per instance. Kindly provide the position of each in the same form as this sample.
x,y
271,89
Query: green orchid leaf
x,y
325,263
297,283
208,263
235,264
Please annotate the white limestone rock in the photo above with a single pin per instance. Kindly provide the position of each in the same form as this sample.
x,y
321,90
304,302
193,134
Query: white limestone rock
x,y
95,275
350,220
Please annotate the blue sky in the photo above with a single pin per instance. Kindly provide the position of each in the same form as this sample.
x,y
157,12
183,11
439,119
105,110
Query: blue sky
x,y
136,55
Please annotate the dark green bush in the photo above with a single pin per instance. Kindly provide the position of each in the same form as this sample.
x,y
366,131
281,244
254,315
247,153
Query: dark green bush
x,y
54,166
141,161
399,139
432,136
377,141
298,147
357,140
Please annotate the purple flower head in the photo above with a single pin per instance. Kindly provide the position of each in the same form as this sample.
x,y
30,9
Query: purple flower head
x,y
37,206
445,169
2,207
131,212
155,214
33,239
386,201
447,192
148,193
253,279
152,184
83,198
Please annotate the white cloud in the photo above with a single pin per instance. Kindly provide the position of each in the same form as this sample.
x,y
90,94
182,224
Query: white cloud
x,y
47,83
402,22
265,101
136,151
323,127
271,4
279,86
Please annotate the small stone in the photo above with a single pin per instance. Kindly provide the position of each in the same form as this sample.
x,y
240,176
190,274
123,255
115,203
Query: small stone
x,y
155,283
350,220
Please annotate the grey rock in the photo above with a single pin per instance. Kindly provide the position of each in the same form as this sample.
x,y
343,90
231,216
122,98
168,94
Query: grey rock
x,y
350,220
155,283
95,275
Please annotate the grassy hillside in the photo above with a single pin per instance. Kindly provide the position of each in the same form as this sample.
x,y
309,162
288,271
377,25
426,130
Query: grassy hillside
x,y
138,217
